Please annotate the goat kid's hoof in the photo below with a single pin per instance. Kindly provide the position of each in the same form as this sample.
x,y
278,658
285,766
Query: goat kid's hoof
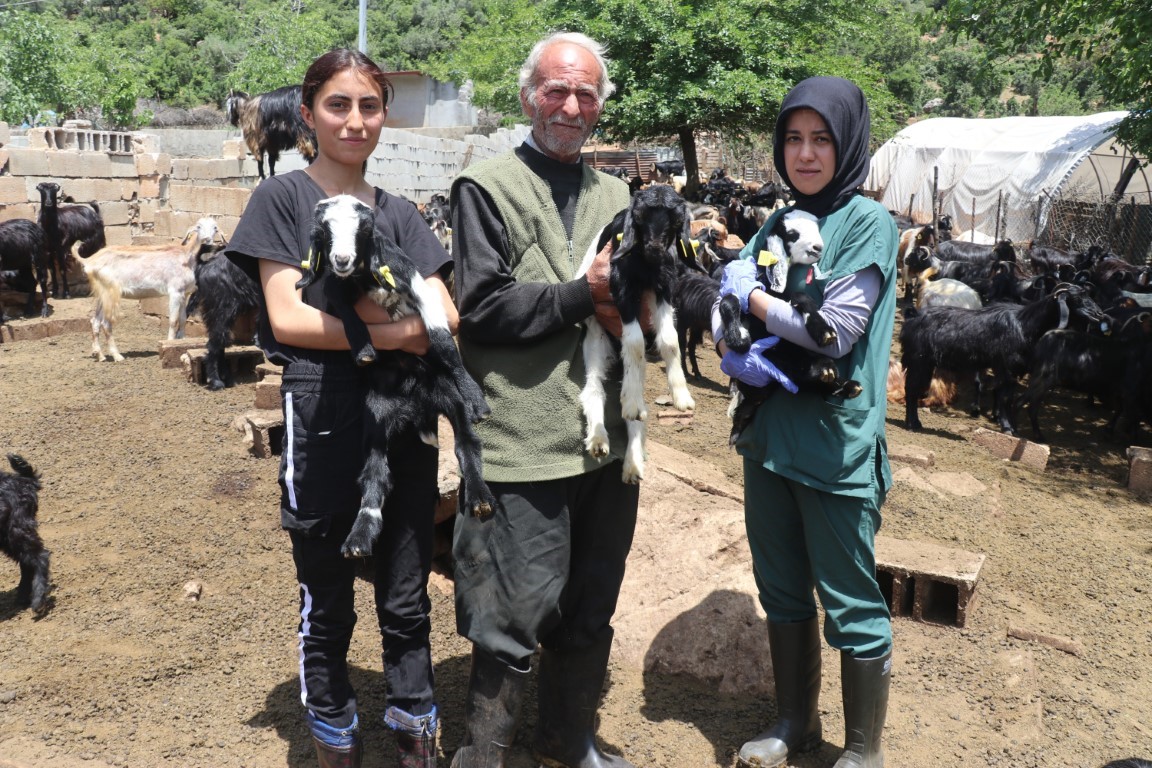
x,y
850,390
639,415
683,402
597,444
480,509
633,473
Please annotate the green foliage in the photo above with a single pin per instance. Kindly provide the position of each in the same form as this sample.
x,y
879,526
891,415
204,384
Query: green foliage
x,y
282,46
29,71
1115,36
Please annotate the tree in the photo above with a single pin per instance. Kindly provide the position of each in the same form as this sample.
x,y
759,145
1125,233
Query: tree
x,y
681,68
1115,34
29,66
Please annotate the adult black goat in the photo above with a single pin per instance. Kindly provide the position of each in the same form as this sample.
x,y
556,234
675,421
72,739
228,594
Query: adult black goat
x,y
961,250
1103,367
20,535
65,226
406,391
692,301
271,123
224,293
998,337
22,265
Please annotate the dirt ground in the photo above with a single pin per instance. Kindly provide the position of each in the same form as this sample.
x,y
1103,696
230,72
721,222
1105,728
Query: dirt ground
x,y
147,487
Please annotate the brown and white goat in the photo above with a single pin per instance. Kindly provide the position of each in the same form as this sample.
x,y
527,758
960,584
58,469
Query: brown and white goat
x,y
142,272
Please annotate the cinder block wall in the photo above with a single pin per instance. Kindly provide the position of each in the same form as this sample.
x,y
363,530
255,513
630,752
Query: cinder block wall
x,y
146,195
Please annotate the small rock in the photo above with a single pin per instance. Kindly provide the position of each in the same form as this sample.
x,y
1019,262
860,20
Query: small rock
x,y
192,591
7,697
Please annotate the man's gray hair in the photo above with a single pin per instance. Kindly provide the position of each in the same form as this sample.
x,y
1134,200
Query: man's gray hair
x,y
604,88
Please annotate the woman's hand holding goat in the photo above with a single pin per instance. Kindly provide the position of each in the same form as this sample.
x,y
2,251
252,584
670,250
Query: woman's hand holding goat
x,y
739,280
753,368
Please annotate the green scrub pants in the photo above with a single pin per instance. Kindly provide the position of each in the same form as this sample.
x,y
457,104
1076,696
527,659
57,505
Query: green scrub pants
x,y
803,539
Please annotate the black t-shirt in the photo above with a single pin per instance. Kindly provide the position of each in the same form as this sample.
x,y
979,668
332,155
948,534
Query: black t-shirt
x,y
277,225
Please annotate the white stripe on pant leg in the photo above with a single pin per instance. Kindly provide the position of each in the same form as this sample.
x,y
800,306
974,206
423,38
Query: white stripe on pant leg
x,y
305,629
290,442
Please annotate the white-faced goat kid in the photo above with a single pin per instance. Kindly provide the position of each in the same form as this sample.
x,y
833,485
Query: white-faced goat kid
x,y
224,293
141,272
271,123
20,535
406,392
651,240
66,226
1000,337
795,240
22,263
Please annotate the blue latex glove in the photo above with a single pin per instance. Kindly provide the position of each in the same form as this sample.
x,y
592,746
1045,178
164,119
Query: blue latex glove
x,y
753,368
739,280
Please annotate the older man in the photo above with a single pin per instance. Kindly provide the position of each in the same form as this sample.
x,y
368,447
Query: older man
x,y
545,569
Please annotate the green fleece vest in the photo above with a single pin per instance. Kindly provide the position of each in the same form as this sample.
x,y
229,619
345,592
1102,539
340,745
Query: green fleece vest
x,y
536,431
834,444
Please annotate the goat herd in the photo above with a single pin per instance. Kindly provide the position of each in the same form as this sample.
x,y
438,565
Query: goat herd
x,y
1075,320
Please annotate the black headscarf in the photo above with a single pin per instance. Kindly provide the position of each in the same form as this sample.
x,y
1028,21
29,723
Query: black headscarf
x,y
845,111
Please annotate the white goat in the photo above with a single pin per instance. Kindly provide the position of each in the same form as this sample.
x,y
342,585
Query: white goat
x,y
141,272
944,292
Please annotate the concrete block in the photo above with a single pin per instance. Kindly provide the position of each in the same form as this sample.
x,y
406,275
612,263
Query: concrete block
x,y
17,211
5,133
116,213
173,225
209,201
3,158
153,163
118,235
268,393
263,431
266,369
122,166
1139,468
241,361
13,189
234,148
40,138
1032,455
171,350
928,582
149,187
27,161
911,454
145,142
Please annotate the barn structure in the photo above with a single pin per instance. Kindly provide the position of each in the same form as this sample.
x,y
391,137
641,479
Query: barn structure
x,y
1061,181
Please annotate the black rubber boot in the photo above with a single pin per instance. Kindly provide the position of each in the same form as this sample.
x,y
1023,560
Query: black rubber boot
x,y
796,670
415,737
339,757
568,694
495,692
864,683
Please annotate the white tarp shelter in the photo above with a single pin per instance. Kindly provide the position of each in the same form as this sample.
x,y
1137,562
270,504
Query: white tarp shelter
x,y
1014,165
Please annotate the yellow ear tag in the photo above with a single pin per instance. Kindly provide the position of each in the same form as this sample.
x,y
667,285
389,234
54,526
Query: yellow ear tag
x,y
307,263
619,237
695,246
767,259
386,274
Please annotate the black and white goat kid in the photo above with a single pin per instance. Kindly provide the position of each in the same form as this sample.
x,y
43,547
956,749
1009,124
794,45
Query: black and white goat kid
x,y
795,239
652,238
406,391
19,534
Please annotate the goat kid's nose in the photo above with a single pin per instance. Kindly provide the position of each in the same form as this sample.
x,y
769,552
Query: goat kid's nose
x,y
342,264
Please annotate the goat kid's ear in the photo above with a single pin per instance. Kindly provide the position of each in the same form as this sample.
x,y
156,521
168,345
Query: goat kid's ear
x,y
311,267
628,239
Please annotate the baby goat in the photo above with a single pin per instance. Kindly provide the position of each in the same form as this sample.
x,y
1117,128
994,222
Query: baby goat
x,y
406,391
795,239
653,235
141,272
19,537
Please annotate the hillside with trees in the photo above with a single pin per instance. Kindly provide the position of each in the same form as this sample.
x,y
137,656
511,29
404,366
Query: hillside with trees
x,y
681,68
